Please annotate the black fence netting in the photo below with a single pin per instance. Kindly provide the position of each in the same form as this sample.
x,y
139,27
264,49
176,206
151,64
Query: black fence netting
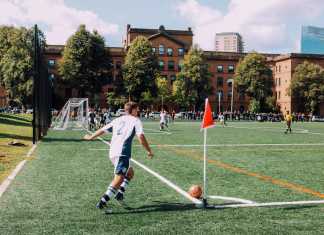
x,y
42,89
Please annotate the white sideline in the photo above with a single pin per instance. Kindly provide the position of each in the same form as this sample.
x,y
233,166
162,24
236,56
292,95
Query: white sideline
x,y
5,184
233,145
163,179
266,204
234,199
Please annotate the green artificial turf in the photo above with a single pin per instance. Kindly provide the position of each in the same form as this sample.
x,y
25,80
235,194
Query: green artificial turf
x,y
57,191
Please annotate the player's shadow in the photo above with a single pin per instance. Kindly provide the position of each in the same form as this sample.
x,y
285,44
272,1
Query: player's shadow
x,y
158,207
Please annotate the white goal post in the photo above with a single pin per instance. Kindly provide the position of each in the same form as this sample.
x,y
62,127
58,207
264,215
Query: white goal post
x,y
74,115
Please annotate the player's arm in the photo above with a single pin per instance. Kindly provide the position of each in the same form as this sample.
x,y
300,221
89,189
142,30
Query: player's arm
x,y
141,137
145,144
98,132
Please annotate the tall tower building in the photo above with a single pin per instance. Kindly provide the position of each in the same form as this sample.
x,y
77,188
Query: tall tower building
x,y
229,42
312,40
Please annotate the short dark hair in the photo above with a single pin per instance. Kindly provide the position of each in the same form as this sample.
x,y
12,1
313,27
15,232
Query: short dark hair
x,y
129,106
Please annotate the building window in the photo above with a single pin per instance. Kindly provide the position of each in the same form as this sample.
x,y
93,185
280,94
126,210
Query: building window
x,y
161,50
118,65
279,94
51,63
220,68
180,51
171,65
161,65
220,81
279,68
229,94
279,81
170,52
229,84
231,68
153,50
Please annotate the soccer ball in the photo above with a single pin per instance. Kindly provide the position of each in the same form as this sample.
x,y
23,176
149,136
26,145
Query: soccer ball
x,y
195,191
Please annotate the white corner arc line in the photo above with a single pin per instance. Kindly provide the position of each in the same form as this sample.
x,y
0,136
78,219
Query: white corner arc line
x,y
269,204
233,199
163,179
169,183
5,184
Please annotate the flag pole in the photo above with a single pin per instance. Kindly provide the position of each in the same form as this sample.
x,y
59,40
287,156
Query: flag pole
x,y
205,168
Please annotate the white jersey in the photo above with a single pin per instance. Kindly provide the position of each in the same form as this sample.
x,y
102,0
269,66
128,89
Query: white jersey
x,y
124,129
163,117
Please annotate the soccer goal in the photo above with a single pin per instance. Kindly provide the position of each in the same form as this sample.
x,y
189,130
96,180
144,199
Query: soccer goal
x,y
73,116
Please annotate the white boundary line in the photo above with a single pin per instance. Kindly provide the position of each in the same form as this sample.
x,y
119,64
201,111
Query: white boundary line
x,y
157,132
5,184
234,199
163,179
268,204
233,145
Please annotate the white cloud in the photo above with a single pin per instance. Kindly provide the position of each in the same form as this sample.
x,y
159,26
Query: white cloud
x,y
271,25
59,19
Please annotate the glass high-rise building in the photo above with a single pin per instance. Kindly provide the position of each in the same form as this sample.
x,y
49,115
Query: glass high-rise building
x,y
312,40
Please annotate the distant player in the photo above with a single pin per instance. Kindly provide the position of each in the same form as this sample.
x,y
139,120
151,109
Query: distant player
x,y
123,130
163,120
222,119
92,117
288,119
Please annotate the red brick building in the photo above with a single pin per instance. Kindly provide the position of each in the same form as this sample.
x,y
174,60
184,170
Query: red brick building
x,y
171,46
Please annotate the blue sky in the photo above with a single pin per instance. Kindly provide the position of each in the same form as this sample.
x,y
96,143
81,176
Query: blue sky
x,y
266,25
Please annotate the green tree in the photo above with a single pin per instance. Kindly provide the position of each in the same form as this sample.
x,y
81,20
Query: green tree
x,y
164,91
16,62
193,82
254,77
140,69
307,85
117,98
85,64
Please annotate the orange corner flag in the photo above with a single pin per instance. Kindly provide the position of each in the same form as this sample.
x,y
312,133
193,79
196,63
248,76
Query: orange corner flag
x,y
208,120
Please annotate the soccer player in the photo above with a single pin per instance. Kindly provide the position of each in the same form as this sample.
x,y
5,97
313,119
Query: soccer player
x,y
123,130
222,119
288,119
163,121
92,117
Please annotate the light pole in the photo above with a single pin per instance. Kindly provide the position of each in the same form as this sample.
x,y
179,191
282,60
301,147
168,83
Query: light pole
x,y
232,96
219,98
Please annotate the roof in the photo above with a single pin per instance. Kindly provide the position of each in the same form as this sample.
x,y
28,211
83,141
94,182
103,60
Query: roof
x,y
54,49
163,33
229,33
161,28
298,56
222,55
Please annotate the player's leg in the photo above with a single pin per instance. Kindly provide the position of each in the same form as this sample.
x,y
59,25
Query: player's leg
x,y
111,191
122,189
289,126
121,167
286,128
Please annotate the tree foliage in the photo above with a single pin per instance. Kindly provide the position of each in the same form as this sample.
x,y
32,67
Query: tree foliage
x,y
254,77
140,69
16,62
192,85
307,85
85,64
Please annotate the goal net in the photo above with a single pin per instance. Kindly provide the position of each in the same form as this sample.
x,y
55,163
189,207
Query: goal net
x,y
73,116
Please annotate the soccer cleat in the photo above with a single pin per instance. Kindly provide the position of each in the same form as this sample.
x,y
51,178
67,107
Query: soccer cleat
x,y
100,205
